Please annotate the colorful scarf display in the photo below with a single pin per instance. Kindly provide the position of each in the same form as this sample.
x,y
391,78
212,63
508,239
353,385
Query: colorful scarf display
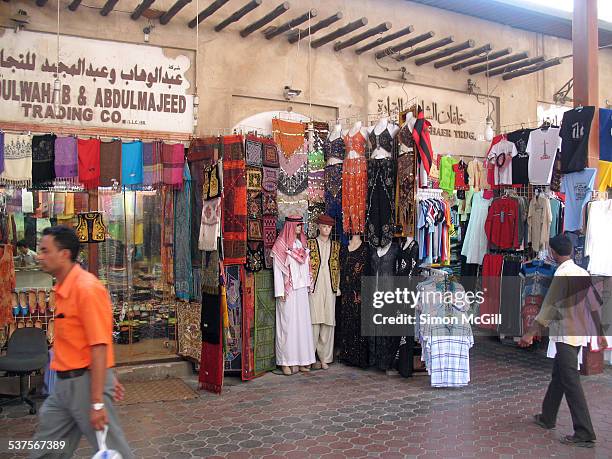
x,y
234,201
131,164
420,134
66,158
173,158
153,170
289,136
43,160
17,161
110,163
183,274
206,149
1,152
89,163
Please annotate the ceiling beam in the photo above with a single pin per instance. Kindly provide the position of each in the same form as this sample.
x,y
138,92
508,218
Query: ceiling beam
x,y
463,56
271,16
386,39
380,28
350,27
405,44
532,69
174,9
74,5
238,15
205,13
141,9
276,31
445,52
108,7
298,35
513,67
426,48
481,59
498,63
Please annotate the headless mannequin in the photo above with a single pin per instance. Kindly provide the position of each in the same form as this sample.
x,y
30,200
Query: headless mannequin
x,y
333,135
357,127
382,251
378,129
355,242
321,308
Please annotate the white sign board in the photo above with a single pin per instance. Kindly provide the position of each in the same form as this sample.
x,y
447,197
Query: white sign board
x,y
457,119
101,84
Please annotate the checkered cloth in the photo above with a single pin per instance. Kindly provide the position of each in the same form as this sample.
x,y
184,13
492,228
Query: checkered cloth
x,y
449,355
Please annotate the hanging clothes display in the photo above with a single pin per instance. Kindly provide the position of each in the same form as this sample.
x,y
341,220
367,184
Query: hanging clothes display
x,y
183,280
333,198
574,133
354,184
475,241
234,212
90,228
89,163
447,173
520,162
66,158
173,158
153,169
132,166
17,161
539,219
542,149
289,136
598,244
433,230
502,223
578,188
380,214
110,164
492,266
7,284
43,160
422,141
557,209
316,175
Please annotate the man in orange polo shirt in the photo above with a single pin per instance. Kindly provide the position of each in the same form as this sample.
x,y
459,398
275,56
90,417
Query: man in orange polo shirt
x,y
83,357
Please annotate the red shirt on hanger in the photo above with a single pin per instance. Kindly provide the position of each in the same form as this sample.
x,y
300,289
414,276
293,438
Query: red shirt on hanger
x,y
501,226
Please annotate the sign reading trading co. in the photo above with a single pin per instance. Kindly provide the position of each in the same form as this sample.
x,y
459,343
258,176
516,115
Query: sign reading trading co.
x,y
102,84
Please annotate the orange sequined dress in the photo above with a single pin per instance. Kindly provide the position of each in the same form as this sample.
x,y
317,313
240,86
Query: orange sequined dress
x,y
7,284
354,184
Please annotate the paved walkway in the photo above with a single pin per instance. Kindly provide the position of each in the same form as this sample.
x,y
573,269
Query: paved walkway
x,y
346,412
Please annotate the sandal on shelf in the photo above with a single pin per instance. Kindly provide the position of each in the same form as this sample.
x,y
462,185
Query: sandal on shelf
x,y
51,330
42,301
20,324
32,301
16,307
29,323
52,301
38,324
23,301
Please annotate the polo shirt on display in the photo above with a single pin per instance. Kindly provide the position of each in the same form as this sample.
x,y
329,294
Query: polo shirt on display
x,y
578,187
542,149
501,225
83,318
502,154
605,134
575,130
520,163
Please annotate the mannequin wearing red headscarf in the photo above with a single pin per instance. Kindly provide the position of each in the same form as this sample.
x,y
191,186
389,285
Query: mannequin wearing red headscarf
x,y
294,341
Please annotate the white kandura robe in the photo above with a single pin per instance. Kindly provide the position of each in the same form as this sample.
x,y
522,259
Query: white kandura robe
x,y
294,341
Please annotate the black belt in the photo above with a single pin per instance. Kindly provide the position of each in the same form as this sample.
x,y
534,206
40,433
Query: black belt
x,y
71,373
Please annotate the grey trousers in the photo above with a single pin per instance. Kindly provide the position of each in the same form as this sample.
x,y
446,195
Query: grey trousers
x,y
65,416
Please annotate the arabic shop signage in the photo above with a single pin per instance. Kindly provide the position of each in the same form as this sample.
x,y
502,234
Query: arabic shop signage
x,y
102,84
457,119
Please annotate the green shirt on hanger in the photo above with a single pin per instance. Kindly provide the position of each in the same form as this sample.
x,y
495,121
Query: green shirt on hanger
x,y
447,174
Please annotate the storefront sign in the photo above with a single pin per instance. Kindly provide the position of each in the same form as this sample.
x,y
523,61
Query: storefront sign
x,y
457,119
101,84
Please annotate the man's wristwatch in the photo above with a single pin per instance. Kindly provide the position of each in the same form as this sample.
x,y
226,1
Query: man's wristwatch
x,y
97,406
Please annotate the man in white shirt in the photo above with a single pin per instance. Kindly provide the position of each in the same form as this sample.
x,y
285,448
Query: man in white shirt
x,y
27,255
568,310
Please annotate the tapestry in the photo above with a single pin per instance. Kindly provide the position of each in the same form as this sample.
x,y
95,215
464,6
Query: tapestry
x,y
255,230
254,178
269,234
254,151
234,213
234,276
188,329
254,205
248,327
288,135
211,182
207,149
233,148
294,184
255,256
270,154
265,322
269,204
270,179
210,273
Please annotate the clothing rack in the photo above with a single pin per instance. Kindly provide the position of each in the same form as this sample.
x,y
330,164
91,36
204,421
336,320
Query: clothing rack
x,y
429,193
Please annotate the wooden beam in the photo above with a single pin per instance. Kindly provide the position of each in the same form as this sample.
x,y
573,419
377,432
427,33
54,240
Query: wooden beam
x,y
517,66
385,39
463,56
276,31
108,7
380,28
426,48
174,9
480,60
205,13
74,5
301,34
351,27
533,68
498,63
585,37
405,44
238,15
271,16
141,9
445,52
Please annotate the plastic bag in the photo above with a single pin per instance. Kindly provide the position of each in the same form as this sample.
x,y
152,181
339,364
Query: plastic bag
x,y
103,451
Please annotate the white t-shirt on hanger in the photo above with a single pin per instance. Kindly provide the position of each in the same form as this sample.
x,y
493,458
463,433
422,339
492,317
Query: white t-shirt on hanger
x,y
542,148
503,167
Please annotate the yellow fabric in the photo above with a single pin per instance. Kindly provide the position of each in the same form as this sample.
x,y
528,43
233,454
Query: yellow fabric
x,y
605,175
139,234
69,206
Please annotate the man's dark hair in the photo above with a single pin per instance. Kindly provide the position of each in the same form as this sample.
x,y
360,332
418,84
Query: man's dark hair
x,y
562,245
65,238
23,243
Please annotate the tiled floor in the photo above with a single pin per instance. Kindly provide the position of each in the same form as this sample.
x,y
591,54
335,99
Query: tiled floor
x,y
345,412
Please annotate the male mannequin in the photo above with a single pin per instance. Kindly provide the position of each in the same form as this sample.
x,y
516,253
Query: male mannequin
x,y
325,270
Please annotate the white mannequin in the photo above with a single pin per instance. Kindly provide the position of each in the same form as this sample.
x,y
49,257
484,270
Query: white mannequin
x,y
355,242
379,128
336,133
382,251
409,240
357,127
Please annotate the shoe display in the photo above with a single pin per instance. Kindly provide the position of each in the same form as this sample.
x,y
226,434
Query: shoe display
x,y
42,302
